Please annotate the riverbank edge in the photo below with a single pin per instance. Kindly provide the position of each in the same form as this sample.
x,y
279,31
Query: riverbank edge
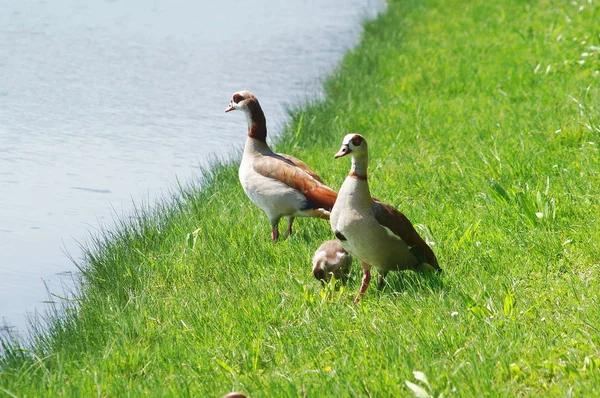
x,y
62,308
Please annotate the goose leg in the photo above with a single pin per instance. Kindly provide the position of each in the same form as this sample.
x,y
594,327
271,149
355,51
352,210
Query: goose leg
x,y
274,229
289,228
365,281
381,280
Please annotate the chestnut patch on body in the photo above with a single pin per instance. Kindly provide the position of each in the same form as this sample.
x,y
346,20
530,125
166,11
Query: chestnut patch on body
x,y
340,236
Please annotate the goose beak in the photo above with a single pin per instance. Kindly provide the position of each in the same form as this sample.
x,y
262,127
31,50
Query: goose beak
x,y
230,107
344,150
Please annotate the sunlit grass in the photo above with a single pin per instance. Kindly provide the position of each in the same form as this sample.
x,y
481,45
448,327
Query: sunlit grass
x,y
483,125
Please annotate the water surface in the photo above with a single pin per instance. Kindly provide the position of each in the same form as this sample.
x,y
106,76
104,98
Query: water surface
x,y
107,103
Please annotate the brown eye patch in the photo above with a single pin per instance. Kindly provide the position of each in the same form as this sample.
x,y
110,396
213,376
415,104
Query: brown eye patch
x,y
237,98
357,140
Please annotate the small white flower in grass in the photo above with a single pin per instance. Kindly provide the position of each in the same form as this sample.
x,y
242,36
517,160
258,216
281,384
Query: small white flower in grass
x,y
421,377
583,55
455,313
557,131
543,319
419,391
581,62
539,214
477,244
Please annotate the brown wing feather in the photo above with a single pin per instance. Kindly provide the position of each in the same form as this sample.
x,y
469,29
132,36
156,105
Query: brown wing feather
x,y
399,224
318,195
302,165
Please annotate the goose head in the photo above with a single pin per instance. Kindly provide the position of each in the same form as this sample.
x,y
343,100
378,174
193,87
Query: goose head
x,y
240,101
354,145
246,102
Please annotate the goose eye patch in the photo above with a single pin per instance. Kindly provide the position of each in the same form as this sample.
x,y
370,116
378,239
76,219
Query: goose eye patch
x,y
357,140
237,98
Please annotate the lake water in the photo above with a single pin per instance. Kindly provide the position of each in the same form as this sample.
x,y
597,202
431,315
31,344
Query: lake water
x,y
107,103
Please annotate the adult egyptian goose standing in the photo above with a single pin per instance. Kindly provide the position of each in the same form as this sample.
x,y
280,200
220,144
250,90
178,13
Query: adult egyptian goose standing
x,y
281,185
373,231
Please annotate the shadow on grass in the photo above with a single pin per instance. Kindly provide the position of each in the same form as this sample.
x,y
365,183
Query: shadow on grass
x,y
396,283
412,282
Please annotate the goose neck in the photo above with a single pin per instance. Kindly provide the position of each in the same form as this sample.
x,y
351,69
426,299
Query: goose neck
x,y
257,123
359,167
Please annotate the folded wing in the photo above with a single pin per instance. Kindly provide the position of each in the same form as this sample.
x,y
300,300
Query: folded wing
x,y
302,178
388,216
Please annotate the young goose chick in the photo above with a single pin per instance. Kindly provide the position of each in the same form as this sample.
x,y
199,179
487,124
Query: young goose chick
x,y
373,231
279,184
331,258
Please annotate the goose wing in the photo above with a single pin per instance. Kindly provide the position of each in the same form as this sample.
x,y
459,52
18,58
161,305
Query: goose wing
x,y
318,195
389,217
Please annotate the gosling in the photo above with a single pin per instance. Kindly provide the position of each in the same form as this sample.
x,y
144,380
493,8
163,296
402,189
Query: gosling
x,y
331,259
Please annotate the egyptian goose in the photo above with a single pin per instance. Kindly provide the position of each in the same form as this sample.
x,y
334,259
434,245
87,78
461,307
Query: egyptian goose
x,y
331,259
373,231
279,184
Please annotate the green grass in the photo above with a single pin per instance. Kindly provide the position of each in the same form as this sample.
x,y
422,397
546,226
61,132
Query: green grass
x,y
483,125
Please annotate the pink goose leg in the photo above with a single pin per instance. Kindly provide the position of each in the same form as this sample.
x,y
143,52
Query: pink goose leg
x,y
365,282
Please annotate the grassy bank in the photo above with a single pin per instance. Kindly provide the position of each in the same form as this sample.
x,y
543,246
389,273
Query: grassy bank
x,y
483,125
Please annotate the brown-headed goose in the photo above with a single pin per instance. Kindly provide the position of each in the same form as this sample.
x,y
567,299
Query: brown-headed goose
x,y
279,184
331,259
373,231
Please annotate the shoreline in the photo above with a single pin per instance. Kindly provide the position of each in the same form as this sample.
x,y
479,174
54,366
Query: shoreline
x,y
161,95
